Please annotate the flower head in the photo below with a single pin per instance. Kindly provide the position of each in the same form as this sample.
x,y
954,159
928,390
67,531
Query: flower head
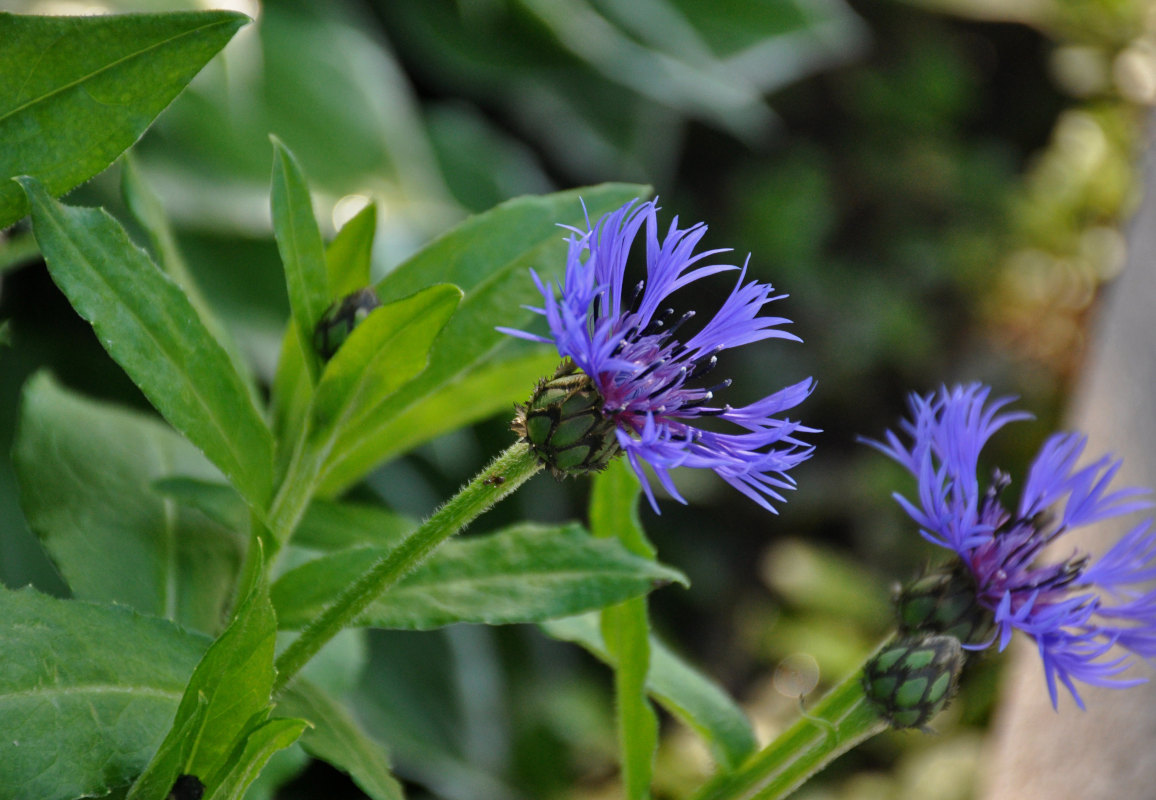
x,y
1076,609
648,381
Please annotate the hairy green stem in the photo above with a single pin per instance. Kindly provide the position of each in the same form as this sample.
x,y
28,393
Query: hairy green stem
x,y
504,474
843,719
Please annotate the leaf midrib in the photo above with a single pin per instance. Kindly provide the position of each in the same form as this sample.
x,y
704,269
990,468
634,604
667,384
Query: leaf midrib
x,y
570,575
111,65
93,688
295,241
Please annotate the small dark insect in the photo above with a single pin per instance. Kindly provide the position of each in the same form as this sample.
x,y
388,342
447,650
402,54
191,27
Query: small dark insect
x,y
187,787
494,480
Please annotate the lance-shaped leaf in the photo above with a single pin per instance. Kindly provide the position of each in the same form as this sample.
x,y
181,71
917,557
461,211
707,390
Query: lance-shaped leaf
x,y
476,395
165,770
678,687
86,471
302,252
525,573
147,210
384,352
78,91
337,738
256,745
150,328
87,692
236,677
489,257
349,257
347,261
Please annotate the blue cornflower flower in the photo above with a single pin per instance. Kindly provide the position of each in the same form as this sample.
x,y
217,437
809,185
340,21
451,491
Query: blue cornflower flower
x,y
1076,609
647,381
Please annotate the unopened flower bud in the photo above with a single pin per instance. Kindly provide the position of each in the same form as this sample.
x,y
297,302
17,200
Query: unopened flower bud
x,y
340,319
187,787
911,680
564,424
945,602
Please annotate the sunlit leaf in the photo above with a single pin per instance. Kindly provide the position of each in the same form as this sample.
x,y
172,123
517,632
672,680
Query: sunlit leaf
x,y
347,262
78,90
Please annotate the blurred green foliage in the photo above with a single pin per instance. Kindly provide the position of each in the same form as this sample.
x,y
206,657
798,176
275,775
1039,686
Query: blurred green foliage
x,y
939,185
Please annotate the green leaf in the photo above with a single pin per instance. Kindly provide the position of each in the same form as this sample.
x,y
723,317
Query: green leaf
x,y
86,471
626,629
525,573
302,251
383,353
86,693
386,350
678,687
146,209
337,738
236,677
292,388
349,256
348,264
257,746
489,257
167,765
78,91
326,526
491,388
150,328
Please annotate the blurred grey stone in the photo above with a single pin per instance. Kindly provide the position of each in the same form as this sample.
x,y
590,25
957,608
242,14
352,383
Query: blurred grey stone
x,y
1106,752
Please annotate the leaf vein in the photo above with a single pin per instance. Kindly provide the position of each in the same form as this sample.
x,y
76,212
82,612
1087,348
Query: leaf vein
x,y
61,89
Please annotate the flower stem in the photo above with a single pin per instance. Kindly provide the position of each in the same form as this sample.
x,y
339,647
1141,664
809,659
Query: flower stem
x,y
503,475
843,719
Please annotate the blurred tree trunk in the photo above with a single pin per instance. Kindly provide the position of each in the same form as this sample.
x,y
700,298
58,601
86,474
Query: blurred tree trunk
x,y
1104,753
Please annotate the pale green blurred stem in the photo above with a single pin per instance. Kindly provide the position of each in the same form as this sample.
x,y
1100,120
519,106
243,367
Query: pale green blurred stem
x,y
843,719
504,474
